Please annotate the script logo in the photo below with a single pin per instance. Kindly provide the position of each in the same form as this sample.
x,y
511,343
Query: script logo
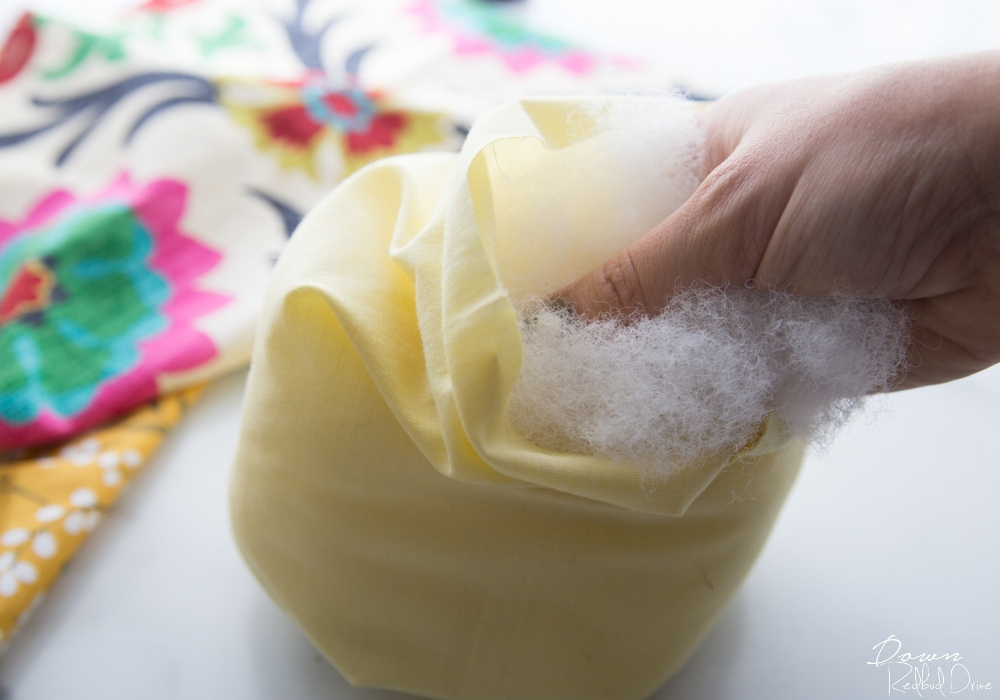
x,y
924,673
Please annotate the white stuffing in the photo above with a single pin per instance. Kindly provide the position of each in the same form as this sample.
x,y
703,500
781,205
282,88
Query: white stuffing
x,y
699,379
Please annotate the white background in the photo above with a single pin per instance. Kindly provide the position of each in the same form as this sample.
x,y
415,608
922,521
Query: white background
x,y
894,530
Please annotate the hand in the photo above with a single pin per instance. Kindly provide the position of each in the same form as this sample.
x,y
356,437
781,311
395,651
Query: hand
x,y
883,182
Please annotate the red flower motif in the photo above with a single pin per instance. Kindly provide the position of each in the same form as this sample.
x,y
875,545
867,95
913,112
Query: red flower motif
x,y
312,112
295,125
381,133
28,292
292,125
18,49
341,104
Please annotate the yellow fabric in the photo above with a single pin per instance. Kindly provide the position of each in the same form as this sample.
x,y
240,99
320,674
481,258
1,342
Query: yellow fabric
x,y
381,495
51,499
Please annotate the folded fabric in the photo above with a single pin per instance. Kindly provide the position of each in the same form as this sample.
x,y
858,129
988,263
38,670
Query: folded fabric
x,y
381,494
50,501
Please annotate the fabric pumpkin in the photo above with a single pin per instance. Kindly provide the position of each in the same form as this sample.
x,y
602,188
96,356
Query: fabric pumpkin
x,y
383,498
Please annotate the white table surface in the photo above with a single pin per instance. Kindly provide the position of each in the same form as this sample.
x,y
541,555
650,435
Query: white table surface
x,y
893,530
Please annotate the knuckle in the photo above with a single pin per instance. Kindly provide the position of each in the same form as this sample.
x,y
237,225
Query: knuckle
x,y
620,287
739,212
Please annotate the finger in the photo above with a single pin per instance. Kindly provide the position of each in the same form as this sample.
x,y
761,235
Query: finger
x,y
949,340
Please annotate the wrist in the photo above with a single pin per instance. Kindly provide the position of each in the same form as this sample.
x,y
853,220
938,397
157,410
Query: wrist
x,y
974,86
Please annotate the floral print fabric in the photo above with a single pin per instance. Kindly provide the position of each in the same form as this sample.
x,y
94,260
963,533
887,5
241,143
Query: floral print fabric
x,y
53,498
293,121
100,299
476,30
150,174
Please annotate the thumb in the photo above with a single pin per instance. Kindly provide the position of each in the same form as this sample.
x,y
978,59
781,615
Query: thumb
x,y
718,236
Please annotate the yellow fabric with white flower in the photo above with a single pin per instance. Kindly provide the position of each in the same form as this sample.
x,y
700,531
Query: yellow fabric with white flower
x,y
51,500
383,499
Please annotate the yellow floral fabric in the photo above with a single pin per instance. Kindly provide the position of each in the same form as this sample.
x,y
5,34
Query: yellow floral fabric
x,y
50,500
380,493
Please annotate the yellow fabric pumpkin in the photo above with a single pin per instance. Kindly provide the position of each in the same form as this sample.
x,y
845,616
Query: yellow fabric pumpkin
x,y
380,494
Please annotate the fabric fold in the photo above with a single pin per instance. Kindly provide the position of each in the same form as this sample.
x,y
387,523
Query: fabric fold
x,y
380,493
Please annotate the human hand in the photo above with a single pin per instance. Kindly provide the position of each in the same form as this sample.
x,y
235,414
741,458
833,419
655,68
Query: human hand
x,y
884,182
